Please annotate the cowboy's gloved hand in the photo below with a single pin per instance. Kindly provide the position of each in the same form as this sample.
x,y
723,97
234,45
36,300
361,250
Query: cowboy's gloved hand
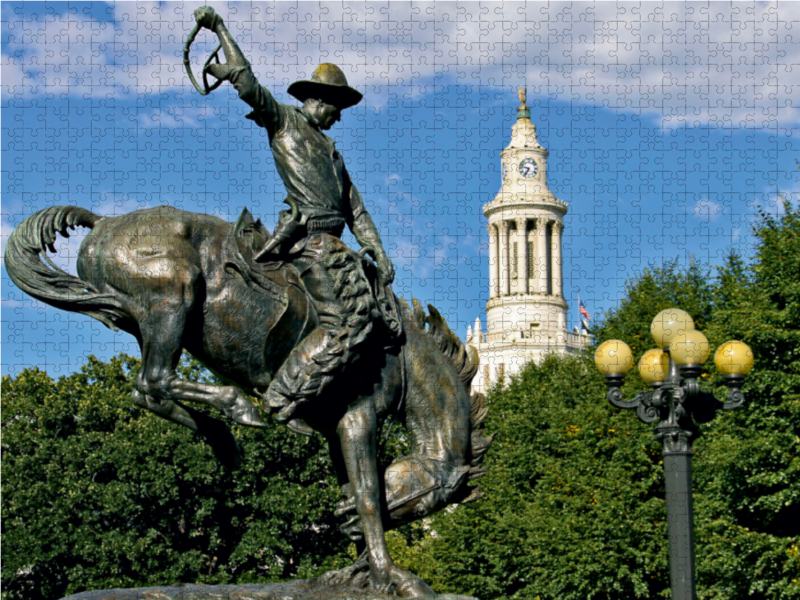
x,y
208,18
219,71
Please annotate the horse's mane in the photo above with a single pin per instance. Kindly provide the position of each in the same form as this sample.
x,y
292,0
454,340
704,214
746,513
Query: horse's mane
x,y
465,361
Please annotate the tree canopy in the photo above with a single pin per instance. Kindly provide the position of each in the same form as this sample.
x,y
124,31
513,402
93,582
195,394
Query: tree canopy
x,y
100,494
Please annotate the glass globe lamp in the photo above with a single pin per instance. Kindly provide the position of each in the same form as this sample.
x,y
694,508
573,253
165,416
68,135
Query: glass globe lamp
x,y
689,348
613,358
670,323
734,358
654,366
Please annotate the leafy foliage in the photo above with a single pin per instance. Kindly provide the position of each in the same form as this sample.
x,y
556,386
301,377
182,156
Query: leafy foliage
x,y
574,504
652,291
748,465
100,494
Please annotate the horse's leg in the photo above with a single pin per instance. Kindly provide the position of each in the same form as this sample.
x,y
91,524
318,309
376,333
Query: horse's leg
x,y
357,537
437,416
161,327
335,451
216,433
357,432
159,359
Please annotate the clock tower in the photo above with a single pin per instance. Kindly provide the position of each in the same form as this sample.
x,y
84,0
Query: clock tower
x,y
526,316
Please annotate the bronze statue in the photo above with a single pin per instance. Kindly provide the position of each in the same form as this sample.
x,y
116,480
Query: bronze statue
x,y
295,318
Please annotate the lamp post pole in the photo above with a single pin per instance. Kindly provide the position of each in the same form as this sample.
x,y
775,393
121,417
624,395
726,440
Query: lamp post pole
x,y
680,518
676,432
676,402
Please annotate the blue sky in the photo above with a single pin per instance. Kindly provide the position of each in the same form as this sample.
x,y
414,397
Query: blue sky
x,y
667,124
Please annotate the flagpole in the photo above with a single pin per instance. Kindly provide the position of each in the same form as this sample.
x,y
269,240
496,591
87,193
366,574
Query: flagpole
x,y
583,313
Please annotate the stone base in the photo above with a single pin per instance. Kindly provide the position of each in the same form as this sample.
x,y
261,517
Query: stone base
x,y
293,590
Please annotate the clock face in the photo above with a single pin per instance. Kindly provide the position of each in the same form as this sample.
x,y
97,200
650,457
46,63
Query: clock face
x,y
528,168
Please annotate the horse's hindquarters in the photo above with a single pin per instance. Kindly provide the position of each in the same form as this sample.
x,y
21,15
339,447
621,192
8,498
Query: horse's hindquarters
x,y
146,255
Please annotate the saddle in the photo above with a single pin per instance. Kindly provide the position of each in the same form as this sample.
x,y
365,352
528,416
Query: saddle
x,y
280,280
273,278
291,315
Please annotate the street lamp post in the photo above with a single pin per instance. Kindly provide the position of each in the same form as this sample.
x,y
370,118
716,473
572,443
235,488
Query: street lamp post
x,y
676,402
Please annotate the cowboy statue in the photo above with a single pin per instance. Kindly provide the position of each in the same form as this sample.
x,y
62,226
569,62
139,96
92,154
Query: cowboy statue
x,y
320,189
283,316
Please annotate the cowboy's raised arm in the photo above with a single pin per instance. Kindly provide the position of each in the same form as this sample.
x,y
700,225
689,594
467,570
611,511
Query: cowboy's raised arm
x,y
237,70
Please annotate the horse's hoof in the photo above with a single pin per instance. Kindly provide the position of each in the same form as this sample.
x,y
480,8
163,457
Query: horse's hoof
x,y
353,529
408,585
248,415
301,427
345,506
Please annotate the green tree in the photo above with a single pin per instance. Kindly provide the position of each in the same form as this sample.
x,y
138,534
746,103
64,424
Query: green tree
x,y
575,505
100,494
655,289
748,473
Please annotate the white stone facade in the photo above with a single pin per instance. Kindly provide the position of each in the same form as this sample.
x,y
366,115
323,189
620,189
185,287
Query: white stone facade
x,y
526,316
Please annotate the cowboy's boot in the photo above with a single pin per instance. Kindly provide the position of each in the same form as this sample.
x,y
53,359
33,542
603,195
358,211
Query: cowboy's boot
x,y
300,379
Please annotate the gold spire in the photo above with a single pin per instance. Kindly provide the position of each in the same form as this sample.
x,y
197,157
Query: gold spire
x,y
523,112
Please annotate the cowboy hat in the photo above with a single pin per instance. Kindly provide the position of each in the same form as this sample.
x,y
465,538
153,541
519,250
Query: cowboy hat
x,y
328,84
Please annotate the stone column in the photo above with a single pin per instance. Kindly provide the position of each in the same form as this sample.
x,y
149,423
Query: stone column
x,y
505,261
500,257
541,260
522,257
557,281
494,279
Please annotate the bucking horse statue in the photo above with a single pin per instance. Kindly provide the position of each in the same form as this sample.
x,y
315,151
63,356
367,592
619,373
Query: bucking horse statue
x,y
293,317
178,280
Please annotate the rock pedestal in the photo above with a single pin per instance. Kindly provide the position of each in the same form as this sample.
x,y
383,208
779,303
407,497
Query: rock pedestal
x,y
294,590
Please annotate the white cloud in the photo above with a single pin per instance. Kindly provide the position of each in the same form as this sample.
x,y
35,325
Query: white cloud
x,y
5,231
708,209
721,64
116,204
171,117
409,262
9,303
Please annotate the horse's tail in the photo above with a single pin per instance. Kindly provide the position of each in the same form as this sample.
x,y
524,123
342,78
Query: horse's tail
x,y
465,362
48,283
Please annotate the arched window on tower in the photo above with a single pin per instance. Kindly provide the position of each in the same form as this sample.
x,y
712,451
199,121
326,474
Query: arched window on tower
x,y
515,262
531,264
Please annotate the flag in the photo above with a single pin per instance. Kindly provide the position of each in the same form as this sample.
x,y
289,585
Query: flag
x,y
583,311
